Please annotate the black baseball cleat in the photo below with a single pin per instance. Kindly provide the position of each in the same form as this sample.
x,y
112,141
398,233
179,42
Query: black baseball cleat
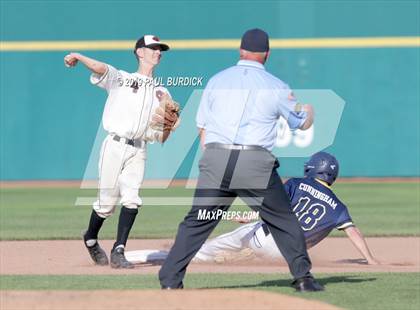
x,y
179,287
97,253
118,259
307,284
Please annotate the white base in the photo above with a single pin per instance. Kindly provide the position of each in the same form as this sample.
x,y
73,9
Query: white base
x,y
145,256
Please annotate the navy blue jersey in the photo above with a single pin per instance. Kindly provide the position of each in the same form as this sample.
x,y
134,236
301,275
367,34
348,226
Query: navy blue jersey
x,y
317,208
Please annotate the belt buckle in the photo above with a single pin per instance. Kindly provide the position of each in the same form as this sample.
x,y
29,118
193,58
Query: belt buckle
x,y
129,142
239,147
123,140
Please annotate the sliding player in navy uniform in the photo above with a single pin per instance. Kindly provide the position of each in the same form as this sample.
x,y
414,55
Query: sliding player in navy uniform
x,y
318,209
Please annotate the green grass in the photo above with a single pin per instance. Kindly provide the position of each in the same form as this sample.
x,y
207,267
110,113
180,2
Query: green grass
x,y
45,213
383,208
366,291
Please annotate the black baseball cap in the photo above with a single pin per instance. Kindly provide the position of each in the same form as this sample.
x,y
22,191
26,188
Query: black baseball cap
x,y
255,40
150,41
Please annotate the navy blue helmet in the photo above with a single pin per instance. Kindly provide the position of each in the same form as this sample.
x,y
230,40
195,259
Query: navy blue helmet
x,y
322,166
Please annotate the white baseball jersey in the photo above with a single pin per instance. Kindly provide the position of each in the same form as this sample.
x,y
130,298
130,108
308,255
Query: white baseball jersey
x,y
131,100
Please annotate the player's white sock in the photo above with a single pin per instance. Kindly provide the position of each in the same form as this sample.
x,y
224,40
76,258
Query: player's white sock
x,y
91,242
119,246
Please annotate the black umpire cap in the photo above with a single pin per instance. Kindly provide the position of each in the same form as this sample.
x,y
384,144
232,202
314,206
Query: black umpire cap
x,y
150,41
255,40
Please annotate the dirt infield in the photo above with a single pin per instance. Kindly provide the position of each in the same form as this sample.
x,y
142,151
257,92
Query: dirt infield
x,y
332,255
70,257
156,299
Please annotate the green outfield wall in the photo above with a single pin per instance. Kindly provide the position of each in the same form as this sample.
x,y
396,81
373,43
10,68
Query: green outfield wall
x,y
50,115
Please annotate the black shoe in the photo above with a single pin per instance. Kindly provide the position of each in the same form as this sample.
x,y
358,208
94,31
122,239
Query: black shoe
x,y
307,284
118,259
179,287
97,253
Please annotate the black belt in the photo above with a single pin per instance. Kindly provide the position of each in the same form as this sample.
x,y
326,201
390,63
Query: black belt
x,y
132,142
265,229
234,147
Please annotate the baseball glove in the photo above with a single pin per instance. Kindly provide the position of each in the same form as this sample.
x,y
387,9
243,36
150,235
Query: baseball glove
x,y
164,120
166,115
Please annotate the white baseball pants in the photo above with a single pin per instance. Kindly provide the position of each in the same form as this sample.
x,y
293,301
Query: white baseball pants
x,y
246,236
121,173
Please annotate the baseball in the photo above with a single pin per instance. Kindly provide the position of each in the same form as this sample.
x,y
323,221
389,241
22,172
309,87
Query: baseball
x,y
69,61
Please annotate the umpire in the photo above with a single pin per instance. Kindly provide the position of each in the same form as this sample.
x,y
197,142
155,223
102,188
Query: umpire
x,y
237,120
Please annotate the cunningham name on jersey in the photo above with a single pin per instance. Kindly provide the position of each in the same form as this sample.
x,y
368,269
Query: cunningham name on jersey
x,y
318,194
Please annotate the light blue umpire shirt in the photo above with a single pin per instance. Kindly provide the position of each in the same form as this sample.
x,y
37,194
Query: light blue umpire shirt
x,y
242,104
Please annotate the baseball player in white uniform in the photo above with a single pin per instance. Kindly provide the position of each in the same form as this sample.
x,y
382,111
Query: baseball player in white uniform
x,y
136,112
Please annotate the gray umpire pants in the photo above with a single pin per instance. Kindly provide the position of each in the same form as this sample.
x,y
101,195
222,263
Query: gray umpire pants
x,y
224,175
